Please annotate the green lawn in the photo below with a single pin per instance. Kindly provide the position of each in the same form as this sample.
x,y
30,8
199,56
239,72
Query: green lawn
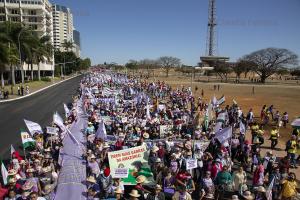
x,y
33,86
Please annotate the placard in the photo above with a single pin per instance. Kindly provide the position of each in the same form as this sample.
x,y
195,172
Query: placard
x,y
191,164
121,173
51,130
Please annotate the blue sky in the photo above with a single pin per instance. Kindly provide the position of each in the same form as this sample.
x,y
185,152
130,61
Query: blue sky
x,y
119,30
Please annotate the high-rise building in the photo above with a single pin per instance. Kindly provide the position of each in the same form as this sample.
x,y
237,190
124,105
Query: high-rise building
x,y
77,43
62,26
34,14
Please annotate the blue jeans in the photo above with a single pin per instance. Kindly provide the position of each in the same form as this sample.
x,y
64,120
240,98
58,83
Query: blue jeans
x,y
292,156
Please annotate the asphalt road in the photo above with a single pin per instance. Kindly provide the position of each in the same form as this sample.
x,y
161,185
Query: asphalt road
x,y
38,108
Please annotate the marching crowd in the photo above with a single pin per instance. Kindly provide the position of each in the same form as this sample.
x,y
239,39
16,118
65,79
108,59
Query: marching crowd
x,y
231,166
126,112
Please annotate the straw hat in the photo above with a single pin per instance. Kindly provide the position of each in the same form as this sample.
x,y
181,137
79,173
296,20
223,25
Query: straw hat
x,y
30,170
22,162
180,144
140,179
261,189
12,172
134,193
154,149
118,191
234,197
188,146
12,180
47,150
90,123
46,169
209,196
93,156
91,179
248,195
157,160
146,135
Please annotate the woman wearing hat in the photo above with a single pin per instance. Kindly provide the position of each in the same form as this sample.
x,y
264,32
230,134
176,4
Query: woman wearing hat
x,y
119,194
157,194
139,186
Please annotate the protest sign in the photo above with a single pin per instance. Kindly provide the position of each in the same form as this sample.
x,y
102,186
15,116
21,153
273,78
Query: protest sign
x,y
191,164
135,160
51,130
121,173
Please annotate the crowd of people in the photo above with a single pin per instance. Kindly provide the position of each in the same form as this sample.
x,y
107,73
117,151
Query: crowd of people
x,y
126,112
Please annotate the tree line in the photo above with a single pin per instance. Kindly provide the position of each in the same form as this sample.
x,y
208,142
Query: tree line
x,y
264,63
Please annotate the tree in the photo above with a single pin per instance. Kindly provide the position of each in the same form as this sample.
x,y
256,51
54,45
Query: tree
x,y
167,62
68,45
223,69
242,66
296,72
268,61
3,56
42,52
148,64
132,65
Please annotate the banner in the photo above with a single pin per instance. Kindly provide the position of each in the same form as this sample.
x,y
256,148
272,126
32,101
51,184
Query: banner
x,y
33,127
164,129
135,160
191,164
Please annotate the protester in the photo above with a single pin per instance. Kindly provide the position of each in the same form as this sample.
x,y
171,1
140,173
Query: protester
x,y
145,140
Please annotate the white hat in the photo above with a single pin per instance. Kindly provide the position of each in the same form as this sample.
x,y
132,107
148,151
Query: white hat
x,y
134,193
91,179
154,149
140,179
146,135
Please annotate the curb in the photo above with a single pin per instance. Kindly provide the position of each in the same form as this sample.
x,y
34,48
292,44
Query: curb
x,y
42,89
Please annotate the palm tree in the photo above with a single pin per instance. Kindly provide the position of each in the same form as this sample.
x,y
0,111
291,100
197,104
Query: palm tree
x,y
68,45
42,52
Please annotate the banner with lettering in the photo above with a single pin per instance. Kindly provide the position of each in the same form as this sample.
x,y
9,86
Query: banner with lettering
x,y
135,160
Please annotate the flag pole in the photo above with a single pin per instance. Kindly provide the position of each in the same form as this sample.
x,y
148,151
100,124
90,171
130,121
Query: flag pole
x,y
24,151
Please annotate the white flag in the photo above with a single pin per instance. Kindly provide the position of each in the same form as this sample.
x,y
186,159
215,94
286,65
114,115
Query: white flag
x,y
12,149
242,128
224,134
214,101
4,173
101,131
67,111
33,127
59,121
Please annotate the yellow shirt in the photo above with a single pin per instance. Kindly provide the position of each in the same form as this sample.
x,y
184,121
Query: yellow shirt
x,y
274,134
289,188
293,148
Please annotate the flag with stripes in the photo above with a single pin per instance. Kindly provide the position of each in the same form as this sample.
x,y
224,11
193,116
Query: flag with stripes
x,y
221,100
